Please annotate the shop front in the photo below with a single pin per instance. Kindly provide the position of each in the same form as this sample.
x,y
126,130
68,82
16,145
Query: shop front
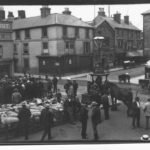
x,y
6,67
64,64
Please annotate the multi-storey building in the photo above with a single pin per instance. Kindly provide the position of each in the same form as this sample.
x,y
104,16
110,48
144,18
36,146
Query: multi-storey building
x,y
6,45
120,37
52,43
146,35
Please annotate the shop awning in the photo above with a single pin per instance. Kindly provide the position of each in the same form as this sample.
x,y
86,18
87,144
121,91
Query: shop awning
x,y
135,53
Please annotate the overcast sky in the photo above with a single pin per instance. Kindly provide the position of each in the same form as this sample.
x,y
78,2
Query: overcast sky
x,y
87,12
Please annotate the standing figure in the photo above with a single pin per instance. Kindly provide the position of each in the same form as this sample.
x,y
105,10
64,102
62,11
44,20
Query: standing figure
x,y
147,112
16,96
59,96
83,119
105,102
24,118
75,87
96,118
67,86
55,81
136,112
68,108
46,119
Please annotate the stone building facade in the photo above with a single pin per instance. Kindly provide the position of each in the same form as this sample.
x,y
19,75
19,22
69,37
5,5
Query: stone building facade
x,y
121,37
6,46
52,43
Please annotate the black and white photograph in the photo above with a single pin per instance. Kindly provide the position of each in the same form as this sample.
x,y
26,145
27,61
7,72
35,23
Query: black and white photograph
x,y
74,73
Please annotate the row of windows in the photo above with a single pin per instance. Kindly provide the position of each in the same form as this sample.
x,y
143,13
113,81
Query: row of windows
x,y
45,34
128,33
128,44
69,45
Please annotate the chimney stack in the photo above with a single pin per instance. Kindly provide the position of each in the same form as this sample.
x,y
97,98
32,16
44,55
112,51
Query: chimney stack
x,y
2,13
101,12
126,19
67,11
10,16
45,11
21,14
117,17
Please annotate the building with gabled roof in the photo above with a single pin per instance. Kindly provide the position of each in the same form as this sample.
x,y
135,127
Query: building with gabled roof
x,y
52,43
121,36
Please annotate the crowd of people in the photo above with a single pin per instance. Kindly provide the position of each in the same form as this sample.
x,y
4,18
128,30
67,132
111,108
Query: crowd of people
x,y
15,90
136,113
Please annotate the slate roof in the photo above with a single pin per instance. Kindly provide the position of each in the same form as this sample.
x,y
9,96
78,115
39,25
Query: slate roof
x,y
99,19
52,19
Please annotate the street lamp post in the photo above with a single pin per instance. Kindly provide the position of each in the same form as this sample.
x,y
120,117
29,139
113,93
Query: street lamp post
x,y
98,42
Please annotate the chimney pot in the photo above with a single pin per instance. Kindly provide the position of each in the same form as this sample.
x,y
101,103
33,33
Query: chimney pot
x,y
45,11
117,17
67,11
126,19
101,12
10,14
2,14
21,14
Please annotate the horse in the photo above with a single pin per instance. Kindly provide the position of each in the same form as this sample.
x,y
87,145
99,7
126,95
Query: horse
x,y
118,93
124,77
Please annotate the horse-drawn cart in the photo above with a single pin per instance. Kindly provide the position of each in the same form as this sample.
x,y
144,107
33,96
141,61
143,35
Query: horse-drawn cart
x,y
93,89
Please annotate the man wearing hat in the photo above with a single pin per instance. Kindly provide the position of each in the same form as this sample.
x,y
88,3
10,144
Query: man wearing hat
x,y
24,118
83,119
136,112
105,102
67,85
46,119
147,112
16,96
96,118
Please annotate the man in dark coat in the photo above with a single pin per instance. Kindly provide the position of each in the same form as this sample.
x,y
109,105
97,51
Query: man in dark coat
x,y
96,118
75,87
47,122
24,118
16,96
105,102
83,119
55,81
136,112
67,86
